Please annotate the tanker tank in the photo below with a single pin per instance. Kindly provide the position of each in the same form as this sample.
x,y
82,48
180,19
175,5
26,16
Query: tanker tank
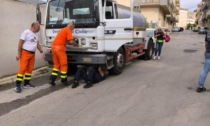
x,y
139,21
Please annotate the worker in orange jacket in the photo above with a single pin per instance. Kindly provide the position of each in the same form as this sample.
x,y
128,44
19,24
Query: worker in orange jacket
x,y
59,53
27,46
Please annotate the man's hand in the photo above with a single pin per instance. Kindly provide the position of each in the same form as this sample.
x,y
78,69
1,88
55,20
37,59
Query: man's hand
x,y
43,55
18,57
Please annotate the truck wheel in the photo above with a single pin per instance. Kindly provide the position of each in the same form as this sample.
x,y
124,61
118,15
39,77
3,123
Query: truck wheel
x,y
150,50
72,69
119,62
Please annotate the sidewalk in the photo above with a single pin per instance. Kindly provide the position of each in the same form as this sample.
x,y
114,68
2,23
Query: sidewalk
x,y
11,79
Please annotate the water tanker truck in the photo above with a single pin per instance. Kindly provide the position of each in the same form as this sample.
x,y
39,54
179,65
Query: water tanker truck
x,y
110,34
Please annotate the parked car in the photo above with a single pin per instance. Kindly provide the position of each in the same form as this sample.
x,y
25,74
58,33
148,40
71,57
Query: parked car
x,y
181,29
195,29
202,30
175,29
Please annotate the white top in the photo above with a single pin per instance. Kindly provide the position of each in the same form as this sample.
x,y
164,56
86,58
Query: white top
x,y
30,40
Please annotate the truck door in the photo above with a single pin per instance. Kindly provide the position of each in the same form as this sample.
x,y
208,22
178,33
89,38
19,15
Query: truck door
x,y
118,30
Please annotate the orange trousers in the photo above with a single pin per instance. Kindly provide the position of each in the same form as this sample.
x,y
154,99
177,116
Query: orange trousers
x,y
27,60
60,59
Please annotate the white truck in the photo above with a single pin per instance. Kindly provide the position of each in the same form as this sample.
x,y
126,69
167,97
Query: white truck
x,y
109,34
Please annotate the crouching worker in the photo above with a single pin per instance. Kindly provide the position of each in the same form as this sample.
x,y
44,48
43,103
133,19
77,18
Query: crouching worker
x,y
59,53
90,75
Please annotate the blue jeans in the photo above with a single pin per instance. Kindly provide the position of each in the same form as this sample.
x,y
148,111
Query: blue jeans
x,y
159,46
204,71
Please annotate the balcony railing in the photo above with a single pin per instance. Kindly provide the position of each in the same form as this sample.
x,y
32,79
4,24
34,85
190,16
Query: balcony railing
x,y
204,6
203,17
149,1
208,14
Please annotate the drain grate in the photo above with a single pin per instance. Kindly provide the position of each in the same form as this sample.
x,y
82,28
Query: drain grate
x,y
190,50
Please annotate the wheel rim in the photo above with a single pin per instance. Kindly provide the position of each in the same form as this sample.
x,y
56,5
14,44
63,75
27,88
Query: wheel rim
x,y
120,60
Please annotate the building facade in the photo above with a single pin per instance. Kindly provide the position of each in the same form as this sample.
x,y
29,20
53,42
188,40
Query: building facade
x,y
163,13
203,14
15,18
183,13
199,13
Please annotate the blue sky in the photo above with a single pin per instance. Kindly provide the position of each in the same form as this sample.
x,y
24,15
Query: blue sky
x,y
189,4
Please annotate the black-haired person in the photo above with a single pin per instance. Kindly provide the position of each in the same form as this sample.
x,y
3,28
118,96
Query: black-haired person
x,y
90,75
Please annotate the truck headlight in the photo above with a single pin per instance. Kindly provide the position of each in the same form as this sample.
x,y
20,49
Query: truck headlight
x,y
83,41
94,46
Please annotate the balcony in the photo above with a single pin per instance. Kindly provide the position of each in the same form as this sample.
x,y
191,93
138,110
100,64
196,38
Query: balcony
x,y
149,2
204,7
203,18
208,14
164,4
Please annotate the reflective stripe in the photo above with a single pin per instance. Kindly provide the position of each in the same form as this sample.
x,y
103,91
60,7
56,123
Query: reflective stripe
x,y
55,69
160,41
27,78
19,79
20,75
63,76
28,74
55,74
62,72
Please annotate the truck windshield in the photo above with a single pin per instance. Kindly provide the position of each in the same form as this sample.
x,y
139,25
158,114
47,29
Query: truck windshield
x,y
83,13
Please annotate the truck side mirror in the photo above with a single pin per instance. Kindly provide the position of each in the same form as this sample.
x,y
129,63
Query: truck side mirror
x,y
38,14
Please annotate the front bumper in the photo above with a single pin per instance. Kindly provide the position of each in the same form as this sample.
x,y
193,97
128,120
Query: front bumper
x,y
81,58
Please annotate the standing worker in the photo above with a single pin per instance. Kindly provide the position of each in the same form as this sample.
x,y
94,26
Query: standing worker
x,y
206,67
59,53
159,43
27,46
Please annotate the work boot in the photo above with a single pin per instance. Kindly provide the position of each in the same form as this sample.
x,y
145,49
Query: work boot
x,y
75,84
200,89
27,84
52,82
18,88
88,85
64,82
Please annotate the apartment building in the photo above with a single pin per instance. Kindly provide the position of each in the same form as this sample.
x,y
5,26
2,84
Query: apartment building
x,y
191,18
205,9
183,14
199,13
163,13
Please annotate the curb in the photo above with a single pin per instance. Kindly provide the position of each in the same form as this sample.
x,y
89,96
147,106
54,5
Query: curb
x,y
12,79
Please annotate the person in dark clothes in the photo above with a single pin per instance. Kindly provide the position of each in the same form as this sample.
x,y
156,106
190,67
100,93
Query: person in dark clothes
x,y
91,75
206,67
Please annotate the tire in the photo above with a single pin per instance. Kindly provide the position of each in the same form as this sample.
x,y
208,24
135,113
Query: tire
x,y
119,62
150,50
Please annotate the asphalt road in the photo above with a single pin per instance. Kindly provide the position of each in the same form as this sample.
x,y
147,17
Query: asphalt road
x,y
147,93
